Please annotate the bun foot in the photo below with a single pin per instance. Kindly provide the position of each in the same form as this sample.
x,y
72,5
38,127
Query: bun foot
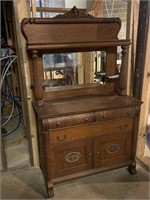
x,y
50,190
132,169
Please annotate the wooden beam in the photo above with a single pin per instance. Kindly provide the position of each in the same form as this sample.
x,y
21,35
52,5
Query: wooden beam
x,y
53,10
3,155
145,96
80,68
132,26
33,6
141,48
88,62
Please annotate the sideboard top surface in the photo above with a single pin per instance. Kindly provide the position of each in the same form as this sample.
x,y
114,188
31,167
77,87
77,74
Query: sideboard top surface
x,y
85,104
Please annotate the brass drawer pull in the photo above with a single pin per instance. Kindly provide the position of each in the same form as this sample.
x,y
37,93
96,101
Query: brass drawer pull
x,y
61,139
124,127
97,153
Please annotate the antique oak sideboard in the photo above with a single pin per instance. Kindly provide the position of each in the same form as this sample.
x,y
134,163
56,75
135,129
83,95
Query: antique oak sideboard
x,y
83,129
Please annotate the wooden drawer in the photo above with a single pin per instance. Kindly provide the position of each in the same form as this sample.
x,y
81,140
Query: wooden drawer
x,y
116,113
70,120
87,118
91,130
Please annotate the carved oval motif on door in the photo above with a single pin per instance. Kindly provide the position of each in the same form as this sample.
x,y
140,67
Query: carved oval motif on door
x,y
114,148
72,157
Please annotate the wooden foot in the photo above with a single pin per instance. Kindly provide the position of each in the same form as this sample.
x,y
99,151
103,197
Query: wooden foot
x,y
132,169
50,190
50,193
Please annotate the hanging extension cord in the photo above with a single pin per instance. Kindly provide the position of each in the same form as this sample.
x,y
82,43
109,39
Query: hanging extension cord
x,y
109,15
4,73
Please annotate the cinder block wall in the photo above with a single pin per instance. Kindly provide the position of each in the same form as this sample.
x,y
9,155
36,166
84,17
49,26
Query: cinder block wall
x,y
116,8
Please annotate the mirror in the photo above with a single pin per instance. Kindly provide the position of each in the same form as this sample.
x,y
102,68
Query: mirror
x,y
65,69
60,69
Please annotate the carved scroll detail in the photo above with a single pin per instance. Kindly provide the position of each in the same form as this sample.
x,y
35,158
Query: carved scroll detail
x,y
72,157
75,13
114,148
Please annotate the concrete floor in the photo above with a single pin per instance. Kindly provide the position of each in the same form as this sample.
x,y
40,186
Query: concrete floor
x,y
28,183
16,147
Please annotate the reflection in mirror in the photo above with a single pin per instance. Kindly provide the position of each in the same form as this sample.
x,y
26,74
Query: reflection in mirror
x,y
71,68
60,69
100,66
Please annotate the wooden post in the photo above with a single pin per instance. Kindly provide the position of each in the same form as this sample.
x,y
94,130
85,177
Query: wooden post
x,y
88,66
39,94
132,25
142,82
22,10
3,154
123,70
145,97
80,68
33,6
141,48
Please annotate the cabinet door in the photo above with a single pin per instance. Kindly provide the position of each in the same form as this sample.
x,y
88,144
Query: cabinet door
x,y
69,158
112,149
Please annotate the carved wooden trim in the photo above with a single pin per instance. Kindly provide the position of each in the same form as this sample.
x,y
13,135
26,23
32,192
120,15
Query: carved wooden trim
x,y
93,20
69,33
72,157
75,13
113,148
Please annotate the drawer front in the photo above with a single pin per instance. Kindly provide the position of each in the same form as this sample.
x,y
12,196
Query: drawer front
x,y
70,120
87,118
116,113
89,131
71,158
113,149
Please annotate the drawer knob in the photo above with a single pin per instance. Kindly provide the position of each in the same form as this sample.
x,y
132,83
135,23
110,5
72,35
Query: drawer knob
x,y
129,113
97,153
89,155
86,119
104,117
61,139
124,127
58,124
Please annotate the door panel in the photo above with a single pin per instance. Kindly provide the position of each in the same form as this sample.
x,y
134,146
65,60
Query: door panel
x,y
71,158
112,149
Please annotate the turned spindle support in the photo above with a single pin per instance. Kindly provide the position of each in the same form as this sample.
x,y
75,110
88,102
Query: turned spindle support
x,y
38,90
123,71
